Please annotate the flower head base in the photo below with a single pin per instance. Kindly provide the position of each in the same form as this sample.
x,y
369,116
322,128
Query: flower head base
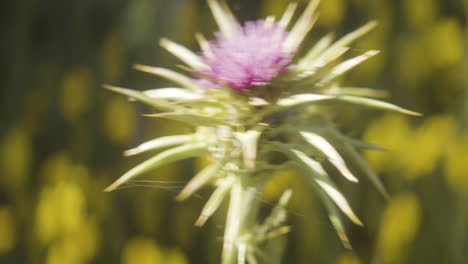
x,y
253,56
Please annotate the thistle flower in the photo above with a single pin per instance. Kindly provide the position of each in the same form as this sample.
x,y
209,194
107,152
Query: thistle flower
x,y
264,115
253,56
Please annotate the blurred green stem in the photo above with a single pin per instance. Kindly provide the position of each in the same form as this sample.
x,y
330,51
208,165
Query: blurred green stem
x,y
241,218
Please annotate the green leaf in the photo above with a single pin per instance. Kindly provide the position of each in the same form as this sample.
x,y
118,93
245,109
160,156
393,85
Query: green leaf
x,y
184,54
297,99
287,15
363,144
269,21
333,215
193,119
204,45
165,157
173,94
320,177
375,104
215,201
282,230
227,12
339,47
339,200
277,215
329,151
170,75
201,179
160,143
301,28
248,141
323,59
139,96
250,256
314,52
345,66
355,158
291,101
349,38
202,103
352,36
357,91
257,101
224,18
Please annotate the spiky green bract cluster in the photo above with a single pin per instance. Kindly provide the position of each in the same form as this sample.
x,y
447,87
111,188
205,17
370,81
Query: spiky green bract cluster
x,y
251,135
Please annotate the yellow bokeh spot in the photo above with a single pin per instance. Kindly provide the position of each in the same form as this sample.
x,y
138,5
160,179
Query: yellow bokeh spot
x,y
142,251
66,250
348,258
400,222
289,179
45,218
60,211
456,165
88,238
119,120
56,167
113,57
418,15
16,157
391,132
278,183
75,92
331,12
446,44
427,145
438,46
7,230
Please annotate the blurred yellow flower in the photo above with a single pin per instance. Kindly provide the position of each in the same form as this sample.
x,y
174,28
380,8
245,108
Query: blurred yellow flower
x,y
400,223
420,16
278,184
119,120
427,144
456,165
64,251
348,258
445,40
391,132
60,211
76,84
7,230
141,250
15,158
175,256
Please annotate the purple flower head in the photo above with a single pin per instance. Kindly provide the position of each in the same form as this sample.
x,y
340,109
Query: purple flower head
x,y
251,57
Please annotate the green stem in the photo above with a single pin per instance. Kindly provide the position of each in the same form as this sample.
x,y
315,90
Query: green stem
x,y
241,218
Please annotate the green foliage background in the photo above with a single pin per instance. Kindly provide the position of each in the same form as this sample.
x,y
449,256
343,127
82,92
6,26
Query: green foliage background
x,y
62,135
